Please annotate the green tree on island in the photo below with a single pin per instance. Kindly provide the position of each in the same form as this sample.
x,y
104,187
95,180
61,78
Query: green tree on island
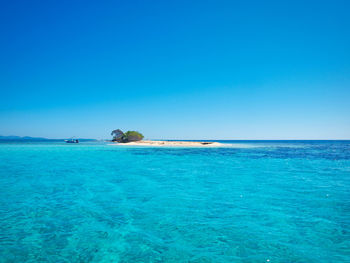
x,y
129,136
117,135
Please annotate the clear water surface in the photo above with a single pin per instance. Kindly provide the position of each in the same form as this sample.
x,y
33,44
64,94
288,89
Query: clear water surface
x,y
261,202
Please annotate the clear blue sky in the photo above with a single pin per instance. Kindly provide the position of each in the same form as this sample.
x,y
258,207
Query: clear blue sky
x,y
176,69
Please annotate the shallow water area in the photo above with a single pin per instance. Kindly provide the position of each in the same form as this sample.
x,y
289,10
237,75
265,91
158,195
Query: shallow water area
x,y
91,202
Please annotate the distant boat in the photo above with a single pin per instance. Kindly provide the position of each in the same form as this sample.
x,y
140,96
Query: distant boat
x,y
72,140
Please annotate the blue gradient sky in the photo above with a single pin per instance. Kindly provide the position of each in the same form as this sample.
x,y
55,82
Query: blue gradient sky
x,y
176,70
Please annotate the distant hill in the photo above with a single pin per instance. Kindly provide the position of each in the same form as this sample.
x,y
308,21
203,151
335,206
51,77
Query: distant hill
x,y
28,138
19,138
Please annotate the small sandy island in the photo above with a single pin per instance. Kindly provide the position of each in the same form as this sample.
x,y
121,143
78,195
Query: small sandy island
x,y
172,143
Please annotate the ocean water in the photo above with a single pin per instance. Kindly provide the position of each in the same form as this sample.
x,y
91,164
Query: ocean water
x,y
249,202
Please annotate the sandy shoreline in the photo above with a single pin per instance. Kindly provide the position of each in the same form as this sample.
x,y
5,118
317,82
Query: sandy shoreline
x,y
172,143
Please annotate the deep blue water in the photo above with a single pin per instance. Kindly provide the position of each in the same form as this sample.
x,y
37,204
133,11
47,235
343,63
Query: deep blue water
x,y
282,201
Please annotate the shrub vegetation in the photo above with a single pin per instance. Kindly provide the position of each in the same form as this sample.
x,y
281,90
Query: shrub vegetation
x,y
129,136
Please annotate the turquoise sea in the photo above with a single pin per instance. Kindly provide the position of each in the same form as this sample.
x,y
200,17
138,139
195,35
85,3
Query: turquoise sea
x,y
253,201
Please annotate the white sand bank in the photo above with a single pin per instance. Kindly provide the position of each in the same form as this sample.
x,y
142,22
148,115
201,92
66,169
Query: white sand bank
x,y
172,143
